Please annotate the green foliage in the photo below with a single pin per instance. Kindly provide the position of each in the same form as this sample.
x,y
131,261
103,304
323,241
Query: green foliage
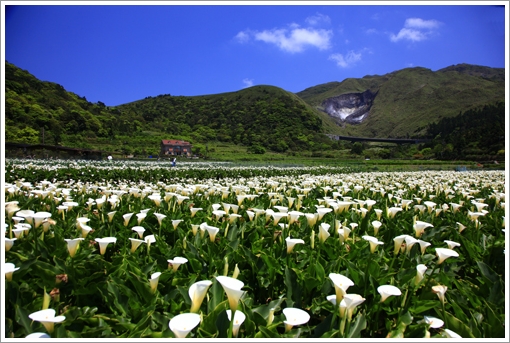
x,y
357,148
270,117
257,149
469,135
107,296
408,100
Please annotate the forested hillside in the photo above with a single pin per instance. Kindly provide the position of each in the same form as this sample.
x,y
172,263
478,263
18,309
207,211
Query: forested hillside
x,y
264,117
408,100
472,135
259,116
460,107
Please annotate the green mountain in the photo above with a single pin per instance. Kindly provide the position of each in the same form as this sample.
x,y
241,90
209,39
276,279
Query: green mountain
x,y
402,103
399,104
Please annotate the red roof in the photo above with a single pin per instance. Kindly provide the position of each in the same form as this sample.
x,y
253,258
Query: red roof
x,y
174,142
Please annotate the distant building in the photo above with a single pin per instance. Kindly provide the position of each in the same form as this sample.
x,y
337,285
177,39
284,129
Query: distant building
x,y
174,147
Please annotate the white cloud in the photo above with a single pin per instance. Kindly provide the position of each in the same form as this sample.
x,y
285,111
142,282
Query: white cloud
x,y
409,34
243,36
297,39
247,82
421,24
416,30
292,39
346,61
318,19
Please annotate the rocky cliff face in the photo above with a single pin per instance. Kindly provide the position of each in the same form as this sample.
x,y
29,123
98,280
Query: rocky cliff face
x,y
350,108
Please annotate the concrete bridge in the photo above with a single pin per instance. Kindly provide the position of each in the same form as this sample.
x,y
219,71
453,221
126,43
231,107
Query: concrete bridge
x,y
380,140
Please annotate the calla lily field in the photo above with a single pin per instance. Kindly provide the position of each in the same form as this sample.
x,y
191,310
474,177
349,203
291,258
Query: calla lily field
x,y
127,249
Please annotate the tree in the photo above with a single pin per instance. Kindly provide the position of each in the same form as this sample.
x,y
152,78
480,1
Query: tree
x,y
357,148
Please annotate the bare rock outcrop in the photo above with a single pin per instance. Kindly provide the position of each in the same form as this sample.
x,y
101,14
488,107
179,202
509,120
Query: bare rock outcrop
x,y
350,108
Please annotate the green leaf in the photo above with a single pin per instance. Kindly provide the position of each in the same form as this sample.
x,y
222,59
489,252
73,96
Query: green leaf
x,y
222,324
459,327
208,325
419,306
404,321
142,287
23,319
359,324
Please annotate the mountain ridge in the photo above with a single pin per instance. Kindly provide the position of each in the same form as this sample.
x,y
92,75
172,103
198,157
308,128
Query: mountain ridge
x,y
404,103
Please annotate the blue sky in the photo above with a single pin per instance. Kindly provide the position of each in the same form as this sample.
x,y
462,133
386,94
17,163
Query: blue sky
x,y
122,53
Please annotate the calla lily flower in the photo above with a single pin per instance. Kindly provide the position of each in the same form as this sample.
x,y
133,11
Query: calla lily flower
x,y
103,243
160,217
150,239
322,211
250,214
176,222
127,217
392,211
72,245
410,241
399,240
420,271
9,243
351,301
323,232
341,283
194,210
219,214
294,216
291,242
294,316
461,227
433,322
370,203
423,246
232,288
378,213
440,290
419,228
141,216
176,262
139,229
343,233
110,216
388,290
154,280
443,254
9,268
135,243
374,242
430,205
311,218
85,230
343,206
239,318
38,335
451,334
197,293
277,216
452,244
343,306
47,318
183,323
38,218
213,231
27,214
156,198
81,221
376,224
